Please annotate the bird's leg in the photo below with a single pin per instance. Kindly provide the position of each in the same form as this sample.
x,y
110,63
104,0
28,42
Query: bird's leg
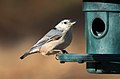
x,y
57,52
57,55
60,52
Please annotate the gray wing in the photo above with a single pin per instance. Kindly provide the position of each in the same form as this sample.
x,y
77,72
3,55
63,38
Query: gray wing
x,y
53,34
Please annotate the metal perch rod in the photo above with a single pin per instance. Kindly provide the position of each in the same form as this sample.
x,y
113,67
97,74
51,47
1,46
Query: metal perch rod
x,y
80,58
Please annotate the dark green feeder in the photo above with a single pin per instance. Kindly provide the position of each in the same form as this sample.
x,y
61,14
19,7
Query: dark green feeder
x,y
102,26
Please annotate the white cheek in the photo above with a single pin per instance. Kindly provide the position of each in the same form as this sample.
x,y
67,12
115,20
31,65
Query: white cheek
x,y
61,27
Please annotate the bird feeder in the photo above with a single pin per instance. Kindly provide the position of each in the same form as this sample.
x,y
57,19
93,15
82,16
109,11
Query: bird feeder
x,y
102,28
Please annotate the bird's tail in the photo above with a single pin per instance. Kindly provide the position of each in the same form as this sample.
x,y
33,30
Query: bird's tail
x,y
26,54
31,51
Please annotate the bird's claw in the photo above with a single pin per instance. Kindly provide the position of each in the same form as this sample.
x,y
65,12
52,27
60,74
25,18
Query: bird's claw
x,y
61,52
57,56
64,52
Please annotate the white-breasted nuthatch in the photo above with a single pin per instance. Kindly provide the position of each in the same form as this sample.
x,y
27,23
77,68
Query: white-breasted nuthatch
x,y
56,40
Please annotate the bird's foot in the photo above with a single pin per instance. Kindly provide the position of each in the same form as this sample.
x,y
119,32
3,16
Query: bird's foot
x,y
60,52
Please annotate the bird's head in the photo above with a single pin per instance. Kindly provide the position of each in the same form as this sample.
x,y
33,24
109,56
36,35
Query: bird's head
x,y
65,24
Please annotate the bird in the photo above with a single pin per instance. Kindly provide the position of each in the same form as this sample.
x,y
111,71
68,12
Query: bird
x,y
55,41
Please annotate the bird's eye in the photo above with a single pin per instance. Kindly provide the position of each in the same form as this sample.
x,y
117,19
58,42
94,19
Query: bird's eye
x,y
65,22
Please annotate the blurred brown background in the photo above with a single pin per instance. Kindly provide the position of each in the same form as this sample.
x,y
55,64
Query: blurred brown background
x,y
23,22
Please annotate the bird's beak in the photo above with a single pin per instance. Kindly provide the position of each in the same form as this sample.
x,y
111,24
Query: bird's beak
x,y
72,23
